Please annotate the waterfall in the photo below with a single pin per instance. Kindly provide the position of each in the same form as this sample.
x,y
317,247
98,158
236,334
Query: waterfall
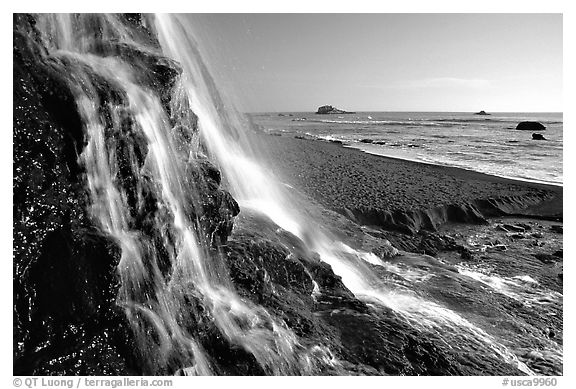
x,y
255,187
141,150
156,295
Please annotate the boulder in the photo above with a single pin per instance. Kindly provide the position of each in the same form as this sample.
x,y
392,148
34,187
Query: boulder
x,y
366,140
536,136
530,126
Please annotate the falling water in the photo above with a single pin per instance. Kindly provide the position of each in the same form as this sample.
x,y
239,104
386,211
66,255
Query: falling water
x,y
169,267
156,296
255,187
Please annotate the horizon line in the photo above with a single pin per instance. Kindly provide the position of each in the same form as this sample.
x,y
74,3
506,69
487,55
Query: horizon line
x,y
402,111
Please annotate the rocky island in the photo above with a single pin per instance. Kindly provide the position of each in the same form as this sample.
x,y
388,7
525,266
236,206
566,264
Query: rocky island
x,y
328,109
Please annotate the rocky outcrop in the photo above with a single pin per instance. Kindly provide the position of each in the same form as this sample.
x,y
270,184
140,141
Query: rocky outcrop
x,y
276,270
328,109
475,212
536,136
530,126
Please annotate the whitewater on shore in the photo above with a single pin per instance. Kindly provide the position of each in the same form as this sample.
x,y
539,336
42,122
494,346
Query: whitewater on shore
x,y
487,144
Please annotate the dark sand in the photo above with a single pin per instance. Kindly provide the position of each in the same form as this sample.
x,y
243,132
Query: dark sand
x,y
341,177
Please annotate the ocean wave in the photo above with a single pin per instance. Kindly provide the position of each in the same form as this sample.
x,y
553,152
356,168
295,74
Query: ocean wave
x,y
418,123
434,122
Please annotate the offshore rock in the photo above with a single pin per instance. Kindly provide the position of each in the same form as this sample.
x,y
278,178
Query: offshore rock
x,y
530,126
328,109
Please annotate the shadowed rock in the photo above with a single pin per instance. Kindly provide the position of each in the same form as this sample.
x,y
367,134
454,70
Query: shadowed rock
x,y
530,126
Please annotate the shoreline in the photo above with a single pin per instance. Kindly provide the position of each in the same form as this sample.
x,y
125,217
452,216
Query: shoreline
x,y
514,180
408,159
405,195
492,113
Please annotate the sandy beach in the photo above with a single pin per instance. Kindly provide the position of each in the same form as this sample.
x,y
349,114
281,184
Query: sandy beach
x,y
347,179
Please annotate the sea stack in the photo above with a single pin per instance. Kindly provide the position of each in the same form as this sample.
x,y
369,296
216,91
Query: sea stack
x,y
328,109
530,126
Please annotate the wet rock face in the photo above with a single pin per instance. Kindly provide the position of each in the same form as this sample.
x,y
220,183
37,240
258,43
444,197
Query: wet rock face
x,y
274,269
66,320
64,270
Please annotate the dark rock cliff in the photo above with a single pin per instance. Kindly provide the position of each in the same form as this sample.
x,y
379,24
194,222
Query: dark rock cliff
x,y
64,279
66,320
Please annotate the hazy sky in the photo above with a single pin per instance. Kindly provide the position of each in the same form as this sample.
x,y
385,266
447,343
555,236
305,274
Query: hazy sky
x,y
387,62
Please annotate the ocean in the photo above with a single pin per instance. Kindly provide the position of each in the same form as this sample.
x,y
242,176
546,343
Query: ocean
x,y
488,144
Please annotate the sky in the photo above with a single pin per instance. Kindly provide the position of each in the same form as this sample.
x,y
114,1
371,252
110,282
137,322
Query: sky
x,y
386,62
